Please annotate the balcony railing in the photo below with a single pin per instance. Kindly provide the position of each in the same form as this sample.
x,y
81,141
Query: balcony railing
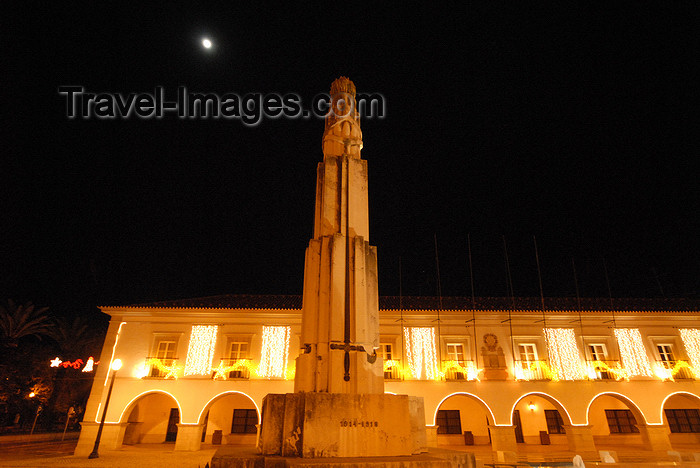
x,y
678,370
601,370
459,370
531,370
392,370
157,370
241,371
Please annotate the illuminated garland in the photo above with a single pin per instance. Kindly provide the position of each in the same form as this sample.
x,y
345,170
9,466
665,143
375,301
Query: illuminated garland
x,y
420,352
564,357
665,373
632,351
77,364
173,370
222,371
535,369
200,350
470,371
618,372
275,350
691,341
393,366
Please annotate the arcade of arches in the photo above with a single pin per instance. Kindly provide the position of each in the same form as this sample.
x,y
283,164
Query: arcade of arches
x,y
613,420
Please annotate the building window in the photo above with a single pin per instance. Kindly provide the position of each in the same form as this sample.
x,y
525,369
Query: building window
x,y
237,352
448,422
165,352
665,352
528,353
683,420
528,367
555,425
244,421
386,352
621,421
455,353
598,352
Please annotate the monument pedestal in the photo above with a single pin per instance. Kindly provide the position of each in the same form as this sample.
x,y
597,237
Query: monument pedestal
x,y
246,457
328,425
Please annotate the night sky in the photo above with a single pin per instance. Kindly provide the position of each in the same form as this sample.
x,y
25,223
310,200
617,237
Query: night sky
x,y
576,124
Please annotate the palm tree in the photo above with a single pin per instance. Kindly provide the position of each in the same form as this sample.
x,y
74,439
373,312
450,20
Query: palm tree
x,y
22,320
78,338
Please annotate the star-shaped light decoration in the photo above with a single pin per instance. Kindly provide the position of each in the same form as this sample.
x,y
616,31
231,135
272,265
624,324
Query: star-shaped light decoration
x,y
56,362
172,371
221,371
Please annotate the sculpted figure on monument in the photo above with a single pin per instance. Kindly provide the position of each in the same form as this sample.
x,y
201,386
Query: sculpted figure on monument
x,y
342,134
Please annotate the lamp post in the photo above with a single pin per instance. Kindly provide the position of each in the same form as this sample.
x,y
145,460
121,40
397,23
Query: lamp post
x,y
71,412
116,365
38,410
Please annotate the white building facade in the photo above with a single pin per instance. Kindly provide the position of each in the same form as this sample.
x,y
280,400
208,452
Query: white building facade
x,y
583,378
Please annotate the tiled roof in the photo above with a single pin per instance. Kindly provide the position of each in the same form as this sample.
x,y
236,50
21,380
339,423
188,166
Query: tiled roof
x,y
250,301
231,301
534,303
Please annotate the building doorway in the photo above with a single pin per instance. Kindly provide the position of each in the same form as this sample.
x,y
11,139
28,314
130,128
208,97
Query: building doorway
x,y
518,427
173,419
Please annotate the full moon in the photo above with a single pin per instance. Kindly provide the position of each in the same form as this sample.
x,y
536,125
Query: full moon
x,y
206,43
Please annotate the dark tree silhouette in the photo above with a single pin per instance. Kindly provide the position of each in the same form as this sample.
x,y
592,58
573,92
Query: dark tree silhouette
x,y
18,321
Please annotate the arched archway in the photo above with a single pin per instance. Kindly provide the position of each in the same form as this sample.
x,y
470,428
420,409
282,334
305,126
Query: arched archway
x,y
615,421
234,414
680,411
463,419
539,418
152,417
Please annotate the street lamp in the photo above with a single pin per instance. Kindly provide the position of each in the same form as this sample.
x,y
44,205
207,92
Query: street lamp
x,y
116,365
38,410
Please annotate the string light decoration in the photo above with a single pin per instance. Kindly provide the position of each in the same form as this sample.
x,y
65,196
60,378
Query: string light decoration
x,y
663,373
290,373
89,365
564,357
172,371
421,353
535,370
470,371
619,372
393,365
275,351
691,341
200,351
632,351
222,371
77,364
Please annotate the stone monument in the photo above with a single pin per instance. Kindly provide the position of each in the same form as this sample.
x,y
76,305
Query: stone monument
x,y
339,411
339,408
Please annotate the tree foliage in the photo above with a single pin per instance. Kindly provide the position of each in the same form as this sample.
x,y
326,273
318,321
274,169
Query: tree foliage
x,y
19,321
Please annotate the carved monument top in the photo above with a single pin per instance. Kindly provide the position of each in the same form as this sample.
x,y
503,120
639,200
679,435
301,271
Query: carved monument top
x,y
342,134
343,85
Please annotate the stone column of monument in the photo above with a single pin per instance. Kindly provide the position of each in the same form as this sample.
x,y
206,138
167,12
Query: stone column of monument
x,y
339,408
340,328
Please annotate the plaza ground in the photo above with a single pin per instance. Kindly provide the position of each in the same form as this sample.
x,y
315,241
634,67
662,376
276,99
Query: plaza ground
x,y
56,453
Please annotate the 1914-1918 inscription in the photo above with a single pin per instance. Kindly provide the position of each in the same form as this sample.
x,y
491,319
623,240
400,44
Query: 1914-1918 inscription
x,y
356,423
